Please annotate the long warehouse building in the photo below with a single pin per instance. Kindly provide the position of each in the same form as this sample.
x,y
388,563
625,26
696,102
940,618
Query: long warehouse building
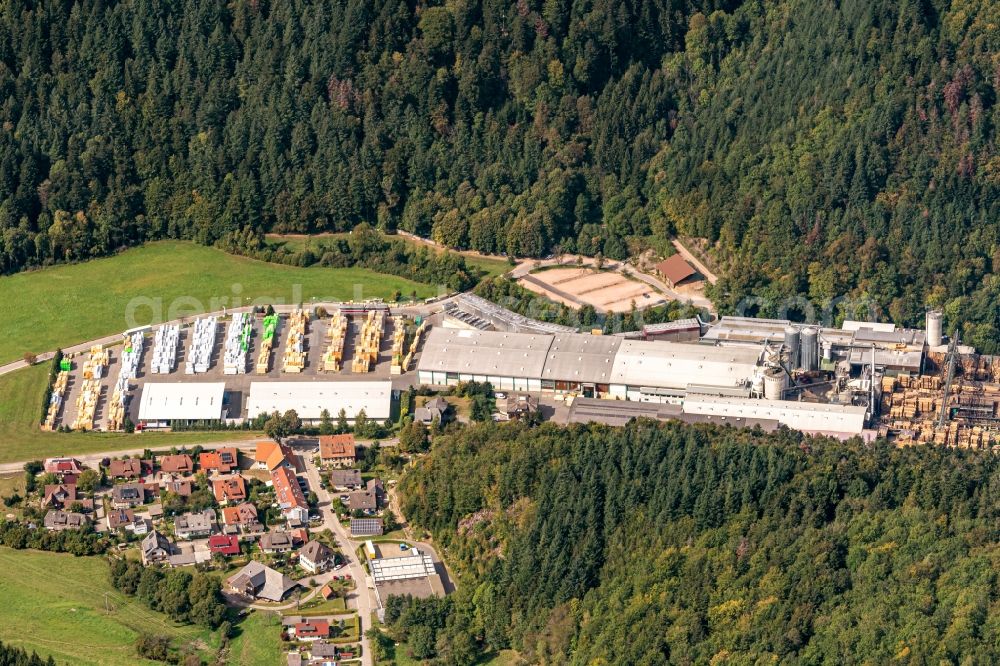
x,y
592,365
706,381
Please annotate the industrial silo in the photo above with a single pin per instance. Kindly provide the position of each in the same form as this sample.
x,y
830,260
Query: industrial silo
x,y
934,328
792,346
774,383
809,348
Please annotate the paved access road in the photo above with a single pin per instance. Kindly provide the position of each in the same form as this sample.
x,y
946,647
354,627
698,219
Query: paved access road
x,y
362,597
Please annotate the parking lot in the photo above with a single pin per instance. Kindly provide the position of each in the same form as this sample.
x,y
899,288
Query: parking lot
x,y
237,386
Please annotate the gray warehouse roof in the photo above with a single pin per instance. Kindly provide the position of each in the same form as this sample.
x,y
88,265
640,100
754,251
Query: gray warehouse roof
x,y
485,352
677,364
581,358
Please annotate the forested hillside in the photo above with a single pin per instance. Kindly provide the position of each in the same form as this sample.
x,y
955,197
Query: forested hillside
x,y
662,543
824,147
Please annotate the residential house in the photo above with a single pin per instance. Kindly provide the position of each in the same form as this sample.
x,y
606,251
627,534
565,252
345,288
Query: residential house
x,y
435,408
177,464
276,541
58,521
195,525
362,500
366,527
229,489
62,466
221,461
127,520
322,652
223,544
376,486
289,495
315,557
128,495
299,536
241,514
337,450
370,499
180,487
310,630
155,548
345,478
271,455
518,406
258,581
130,468
59,495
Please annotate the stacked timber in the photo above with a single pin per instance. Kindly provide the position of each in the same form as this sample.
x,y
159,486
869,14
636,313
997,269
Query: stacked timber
x,y
165,349
295,343
369,340
399,357
56,400
199,357
266,343
333,357
237,344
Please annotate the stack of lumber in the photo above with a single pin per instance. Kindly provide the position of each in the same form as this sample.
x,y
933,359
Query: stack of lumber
x,y
237,344
295,355
165,349
333,357
266,343
369,340
399,358
199,357
56,400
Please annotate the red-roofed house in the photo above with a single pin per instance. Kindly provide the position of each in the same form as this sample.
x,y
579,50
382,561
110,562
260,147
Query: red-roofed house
x,y
130,468
60,466
224,544
289,495
222,461
311,630
229,489
271,455
182,464
337,450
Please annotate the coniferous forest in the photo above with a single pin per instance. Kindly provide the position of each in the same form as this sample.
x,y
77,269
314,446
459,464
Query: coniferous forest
x,y
822,147
662,543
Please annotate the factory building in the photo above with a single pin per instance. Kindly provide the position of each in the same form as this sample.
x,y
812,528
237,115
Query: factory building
x,y
690,381
309,399
166,404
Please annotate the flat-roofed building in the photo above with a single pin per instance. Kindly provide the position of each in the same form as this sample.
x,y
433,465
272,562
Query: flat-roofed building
x,y
509,361
810,417
309,399
412,574
640,365
162,404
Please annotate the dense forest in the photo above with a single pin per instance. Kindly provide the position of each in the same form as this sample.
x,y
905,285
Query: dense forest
x,y
15,656
663,543
791,134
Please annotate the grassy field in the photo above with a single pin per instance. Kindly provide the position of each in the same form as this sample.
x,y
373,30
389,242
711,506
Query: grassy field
x,y
21,394
259,641
10,484
65,305
55,604
490,266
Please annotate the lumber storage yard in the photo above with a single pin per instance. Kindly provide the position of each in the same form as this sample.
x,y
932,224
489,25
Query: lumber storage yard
x,y
221,359
606,291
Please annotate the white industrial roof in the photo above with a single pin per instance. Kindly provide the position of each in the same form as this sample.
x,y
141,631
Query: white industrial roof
x,y
485,352
194,401
677,364
805,416
309,399
399,568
